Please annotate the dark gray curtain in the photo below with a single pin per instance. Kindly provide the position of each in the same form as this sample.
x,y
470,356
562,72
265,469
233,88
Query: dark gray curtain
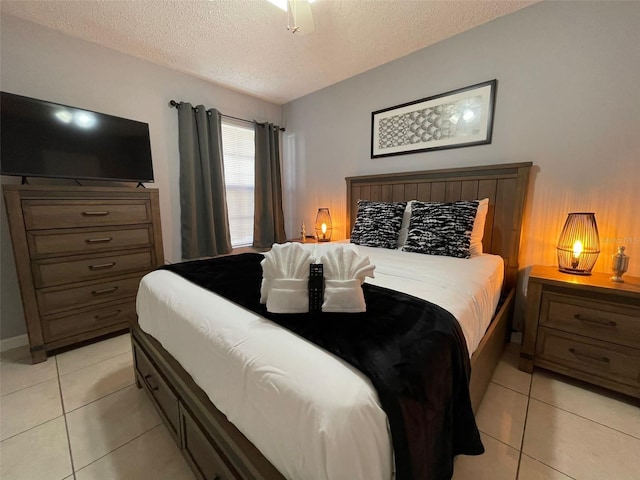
x,y
268,225
203,202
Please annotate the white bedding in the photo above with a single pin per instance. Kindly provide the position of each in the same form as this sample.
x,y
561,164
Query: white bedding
x,y
312,415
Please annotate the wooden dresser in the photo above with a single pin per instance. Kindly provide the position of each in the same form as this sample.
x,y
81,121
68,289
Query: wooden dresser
x,y
586,327
80,253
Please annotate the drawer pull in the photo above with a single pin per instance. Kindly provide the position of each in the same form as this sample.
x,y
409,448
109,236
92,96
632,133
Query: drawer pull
x,y
590,357
100,213
102,266
106,316
147,379
99,240
104,290
595,321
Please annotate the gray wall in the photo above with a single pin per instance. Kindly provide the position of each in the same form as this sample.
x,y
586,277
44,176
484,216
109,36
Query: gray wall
x,y
42,63
568,100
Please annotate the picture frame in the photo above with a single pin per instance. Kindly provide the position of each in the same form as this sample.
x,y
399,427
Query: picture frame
x,y
455,119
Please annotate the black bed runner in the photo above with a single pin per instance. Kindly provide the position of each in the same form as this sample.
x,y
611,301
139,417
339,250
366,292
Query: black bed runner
x,y
413,352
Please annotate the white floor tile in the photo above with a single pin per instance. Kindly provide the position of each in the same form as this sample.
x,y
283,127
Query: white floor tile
x,y
91,354
95,381
579,447
502,414
499,462
16,374
617,412
40,453
531,469
153,455
106,424
507,373
29,407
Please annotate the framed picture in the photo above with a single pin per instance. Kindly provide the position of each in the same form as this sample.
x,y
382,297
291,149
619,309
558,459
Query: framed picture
x,y
460,118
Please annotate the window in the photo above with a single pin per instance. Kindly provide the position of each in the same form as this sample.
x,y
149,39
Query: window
x,y
238,151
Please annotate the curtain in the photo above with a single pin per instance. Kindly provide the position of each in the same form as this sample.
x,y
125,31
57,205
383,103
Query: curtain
x,y
203,203
268,225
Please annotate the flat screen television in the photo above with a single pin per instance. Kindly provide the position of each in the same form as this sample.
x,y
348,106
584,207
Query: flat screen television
x,y
46,139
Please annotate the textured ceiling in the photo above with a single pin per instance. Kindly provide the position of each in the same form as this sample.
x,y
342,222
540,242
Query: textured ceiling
x,y
244,44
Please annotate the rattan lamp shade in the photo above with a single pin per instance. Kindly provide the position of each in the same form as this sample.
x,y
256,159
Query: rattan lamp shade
x,y
579,244
324,227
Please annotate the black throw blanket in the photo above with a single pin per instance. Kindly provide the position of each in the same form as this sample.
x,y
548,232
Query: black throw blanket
x,y
413,352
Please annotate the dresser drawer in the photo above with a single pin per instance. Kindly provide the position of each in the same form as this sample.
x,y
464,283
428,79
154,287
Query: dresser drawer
x,y
54,300
606,321
49,214
57,327
163,396
201,453
62,270
594,359
49,243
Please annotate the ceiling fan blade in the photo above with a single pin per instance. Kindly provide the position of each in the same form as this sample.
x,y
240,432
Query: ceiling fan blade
x,y
302,17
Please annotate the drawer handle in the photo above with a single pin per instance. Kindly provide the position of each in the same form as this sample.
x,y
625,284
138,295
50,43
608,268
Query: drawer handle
x,y
100,213
147,379
106,316
590,357
104,290
99,240
102,266
595,321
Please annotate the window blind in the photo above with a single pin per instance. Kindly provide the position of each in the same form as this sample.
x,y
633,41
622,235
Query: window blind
x,y
238,151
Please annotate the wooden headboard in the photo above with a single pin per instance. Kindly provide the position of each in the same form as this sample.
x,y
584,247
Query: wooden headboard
x,y
504,185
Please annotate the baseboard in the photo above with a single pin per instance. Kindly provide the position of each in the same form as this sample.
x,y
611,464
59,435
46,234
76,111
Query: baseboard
x,y
13,342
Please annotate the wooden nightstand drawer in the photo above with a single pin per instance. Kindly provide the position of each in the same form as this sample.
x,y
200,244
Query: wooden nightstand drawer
x,y
63,326
51,214
59,299
50,243
591,318
594,359
586,327
62,270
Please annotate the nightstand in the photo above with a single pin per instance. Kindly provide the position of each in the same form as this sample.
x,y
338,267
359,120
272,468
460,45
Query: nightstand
x,y
586,327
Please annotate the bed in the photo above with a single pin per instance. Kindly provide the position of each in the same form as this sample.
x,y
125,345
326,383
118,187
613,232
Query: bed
x,y
213,445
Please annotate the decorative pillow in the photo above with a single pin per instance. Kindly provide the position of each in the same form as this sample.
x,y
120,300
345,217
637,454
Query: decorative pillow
x,y
441,228
378,224
475,248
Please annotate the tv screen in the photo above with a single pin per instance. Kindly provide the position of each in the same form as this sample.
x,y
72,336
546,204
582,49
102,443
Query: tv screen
x,y
45,139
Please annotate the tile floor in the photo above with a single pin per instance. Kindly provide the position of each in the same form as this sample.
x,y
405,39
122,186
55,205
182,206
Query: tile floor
x,y
80,416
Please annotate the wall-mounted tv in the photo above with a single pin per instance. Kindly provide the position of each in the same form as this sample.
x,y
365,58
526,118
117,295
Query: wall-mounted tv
x,y
46,139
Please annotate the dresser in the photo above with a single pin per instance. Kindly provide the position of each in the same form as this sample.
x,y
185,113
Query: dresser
x,y
80,253
586,327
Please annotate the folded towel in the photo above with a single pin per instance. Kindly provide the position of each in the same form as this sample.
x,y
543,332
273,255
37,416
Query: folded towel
x,y
288,295
286,261
344,273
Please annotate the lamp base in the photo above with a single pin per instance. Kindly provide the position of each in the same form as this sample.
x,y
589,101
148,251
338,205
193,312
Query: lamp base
x,y
324,240
574,271
617,278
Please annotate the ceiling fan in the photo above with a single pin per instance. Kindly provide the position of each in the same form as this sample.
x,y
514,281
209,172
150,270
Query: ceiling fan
x,y
299,16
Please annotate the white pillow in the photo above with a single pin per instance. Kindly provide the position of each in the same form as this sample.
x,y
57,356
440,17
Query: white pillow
x,y
404,228
475,247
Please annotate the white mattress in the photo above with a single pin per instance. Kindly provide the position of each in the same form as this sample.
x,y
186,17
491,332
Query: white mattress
x,y
312,415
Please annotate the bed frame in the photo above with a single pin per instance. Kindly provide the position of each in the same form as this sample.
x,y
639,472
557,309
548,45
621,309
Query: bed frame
x,y
215,448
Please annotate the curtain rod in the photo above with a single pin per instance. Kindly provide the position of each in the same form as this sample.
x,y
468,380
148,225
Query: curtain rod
x,y
174,104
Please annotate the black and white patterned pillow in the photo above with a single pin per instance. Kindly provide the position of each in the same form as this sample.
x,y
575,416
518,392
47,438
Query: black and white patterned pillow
x,y
441,228
378,224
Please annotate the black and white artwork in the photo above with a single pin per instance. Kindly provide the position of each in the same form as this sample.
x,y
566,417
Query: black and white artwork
x,y
459,118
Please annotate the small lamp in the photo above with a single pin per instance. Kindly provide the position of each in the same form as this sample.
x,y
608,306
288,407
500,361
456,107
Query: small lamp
x,y
324,227
579,244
